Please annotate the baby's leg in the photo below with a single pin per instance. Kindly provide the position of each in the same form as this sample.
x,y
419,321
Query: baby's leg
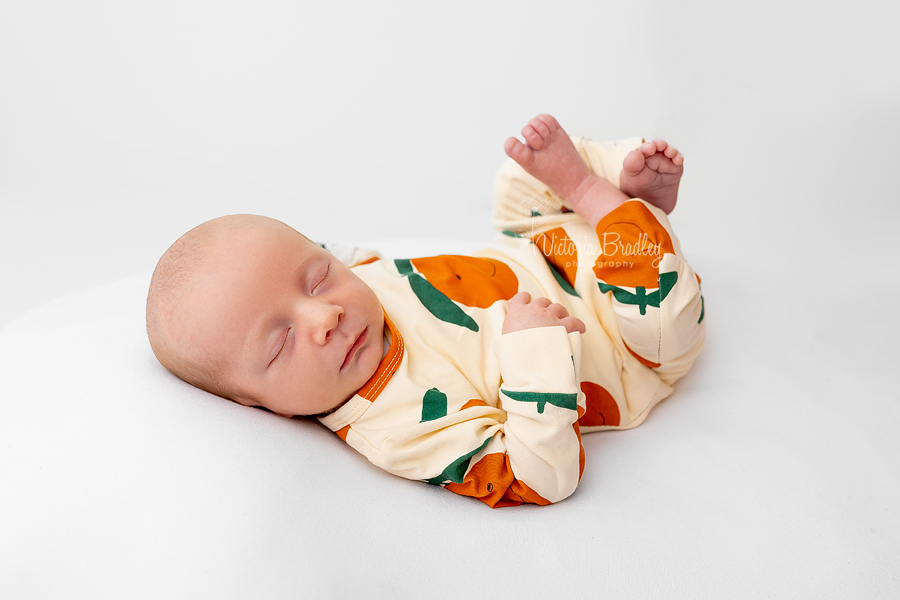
x,y
550,156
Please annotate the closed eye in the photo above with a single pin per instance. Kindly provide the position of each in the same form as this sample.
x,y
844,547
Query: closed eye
x,y
283,343
325,276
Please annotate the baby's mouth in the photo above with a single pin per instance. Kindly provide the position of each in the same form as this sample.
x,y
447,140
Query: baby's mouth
x,y
360,339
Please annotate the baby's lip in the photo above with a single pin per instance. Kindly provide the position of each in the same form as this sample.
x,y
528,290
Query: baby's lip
x,y
357,343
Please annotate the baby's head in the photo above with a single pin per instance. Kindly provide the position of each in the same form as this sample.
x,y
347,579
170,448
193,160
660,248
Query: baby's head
x,y
247,308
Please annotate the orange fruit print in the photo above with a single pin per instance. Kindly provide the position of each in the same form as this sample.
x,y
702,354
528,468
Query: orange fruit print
x,y
560,251
475,282
601,406
492,481
632,242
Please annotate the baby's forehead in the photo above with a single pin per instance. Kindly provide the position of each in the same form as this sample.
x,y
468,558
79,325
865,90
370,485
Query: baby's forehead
x,y
238,261
246,239
259,227
255,256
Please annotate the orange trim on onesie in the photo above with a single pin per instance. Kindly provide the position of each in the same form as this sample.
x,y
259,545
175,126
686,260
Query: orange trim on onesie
x,y
387,367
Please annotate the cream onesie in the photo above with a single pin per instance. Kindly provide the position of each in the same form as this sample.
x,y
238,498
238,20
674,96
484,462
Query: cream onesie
x,y
499,417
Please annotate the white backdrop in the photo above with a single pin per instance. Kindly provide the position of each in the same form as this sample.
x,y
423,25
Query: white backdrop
x,y
122,125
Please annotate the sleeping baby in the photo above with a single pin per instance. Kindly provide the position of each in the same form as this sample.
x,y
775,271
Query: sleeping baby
x,y
476,373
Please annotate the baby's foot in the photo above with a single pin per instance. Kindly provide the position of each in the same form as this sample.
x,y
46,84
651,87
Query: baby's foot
x,y
652,173
549,155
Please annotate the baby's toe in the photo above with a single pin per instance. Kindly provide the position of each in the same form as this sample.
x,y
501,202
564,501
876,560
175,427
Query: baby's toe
x,y
633,162
518,151
534,139
540,126
648,148
550,122
660,144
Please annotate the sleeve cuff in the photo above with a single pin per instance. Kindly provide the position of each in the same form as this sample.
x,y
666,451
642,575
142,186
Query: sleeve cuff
x,y
543,359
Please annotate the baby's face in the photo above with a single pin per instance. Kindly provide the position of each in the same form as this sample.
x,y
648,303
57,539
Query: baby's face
x,y
296,330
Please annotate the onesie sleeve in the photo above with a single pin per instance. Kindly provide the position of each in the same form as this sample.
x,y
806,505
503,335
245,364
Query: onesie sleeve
x,y
655,294
526,451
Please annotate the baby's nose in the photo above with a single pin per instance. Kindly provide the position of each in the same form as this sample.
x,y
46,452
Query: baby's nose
x,y
329,319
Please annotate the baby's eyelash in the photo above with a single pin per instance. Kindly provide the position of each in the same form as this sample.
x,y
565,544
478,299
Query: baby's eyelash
x,y
327,270
281,349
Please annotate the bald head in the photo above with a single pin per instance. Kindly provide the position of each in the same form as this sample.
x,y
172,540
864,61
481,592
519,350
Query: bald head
x,y
177,274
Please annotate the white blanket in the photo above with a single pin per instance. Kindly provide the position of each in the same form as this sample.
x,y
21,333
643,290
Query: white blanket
x,y
763,474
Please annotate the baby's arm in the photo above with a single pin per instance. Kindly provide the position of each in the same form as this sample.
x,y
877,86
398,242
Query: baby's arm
x,y
541,396
526,450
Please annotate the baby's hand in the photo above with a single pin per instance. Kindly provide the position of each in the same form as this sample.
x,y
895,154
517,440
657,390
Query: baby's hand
x,y
525,313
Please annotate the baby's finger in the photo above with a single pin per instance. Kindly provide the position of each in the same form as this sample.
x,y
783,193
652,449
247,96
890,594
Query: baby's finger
x,y
573,324
542,302
520,298
558,310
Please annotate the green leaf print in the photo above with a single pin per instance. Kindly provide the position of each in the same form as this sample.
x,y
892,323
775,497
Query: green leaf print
x,y
561,280
436,302
456,470
404,266
434,405
542,399
640,297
